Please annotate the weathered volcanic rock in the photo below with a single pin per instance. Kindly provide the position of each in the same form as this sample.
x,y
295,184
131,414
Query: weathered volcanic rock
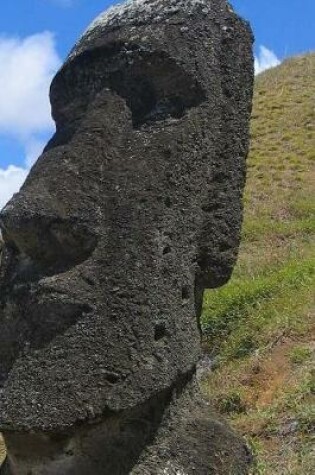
x,y
133,209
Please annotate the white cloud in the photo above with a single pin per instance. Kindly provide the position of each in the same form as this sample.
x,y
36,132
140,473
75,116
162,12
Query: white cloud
x,y
11,180
28,66
27,69
266,59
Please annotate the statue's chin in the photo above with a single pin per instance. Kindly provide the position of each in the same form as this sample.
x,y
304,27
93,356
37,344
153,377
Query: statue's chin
x,y
111,445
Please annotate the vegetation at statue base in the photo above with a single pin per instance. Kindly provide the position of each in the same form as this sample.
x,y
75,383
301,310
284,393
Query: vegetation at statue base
x,y
260,327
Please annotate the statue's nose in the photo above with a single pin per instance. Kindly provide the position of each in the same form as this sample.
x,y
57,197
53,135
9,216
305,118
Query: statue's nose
x,y
38,231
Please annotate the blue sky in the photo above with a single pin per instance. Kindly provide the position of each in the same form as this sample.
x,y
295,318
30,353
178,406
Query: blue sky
x,y
36,35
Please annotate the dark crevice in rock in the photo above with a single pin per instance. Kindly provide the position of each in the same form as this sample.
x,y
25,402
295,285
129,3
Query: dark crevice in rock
x,y
185,293
167,250
160,331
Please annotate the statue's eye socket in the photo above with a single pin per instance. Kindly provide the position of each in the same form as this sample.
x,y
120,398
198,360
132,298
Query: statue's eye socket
x,y
154,86
149,104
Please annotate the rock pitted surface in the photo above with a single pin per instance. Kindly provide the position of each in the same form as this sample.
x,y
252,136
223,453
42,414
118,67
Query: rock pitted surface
x,y
133,209
134,13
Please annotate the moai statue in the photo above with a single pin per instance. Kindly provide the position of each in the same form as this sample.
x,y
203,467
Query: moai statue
x,y
133,209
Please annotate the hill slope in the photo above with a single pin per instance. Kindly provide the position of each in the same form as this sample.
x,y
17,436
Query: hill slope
x,y
260,328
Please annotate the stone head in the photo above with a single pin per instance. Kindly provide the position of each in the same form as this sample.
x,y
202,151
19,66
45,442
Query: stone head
x,y
132,210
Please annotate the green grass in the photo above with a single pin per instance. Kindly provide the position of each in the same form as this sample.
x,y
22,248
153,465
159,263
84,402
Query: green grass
x,y
260,327
255,228
300,354
243,306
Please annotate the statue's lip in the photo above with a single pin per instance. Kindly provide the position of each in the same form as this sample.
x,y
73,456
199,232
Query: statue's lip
x,y
36,318
48,313
52,317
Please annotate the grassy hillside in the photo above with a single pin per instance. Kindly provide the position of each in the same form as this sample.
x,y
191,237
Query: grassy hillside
x,y
260,328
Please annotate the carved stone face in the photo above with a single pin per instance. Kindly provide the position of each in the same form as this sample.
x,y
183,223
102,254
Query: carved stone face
x,y
132,210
